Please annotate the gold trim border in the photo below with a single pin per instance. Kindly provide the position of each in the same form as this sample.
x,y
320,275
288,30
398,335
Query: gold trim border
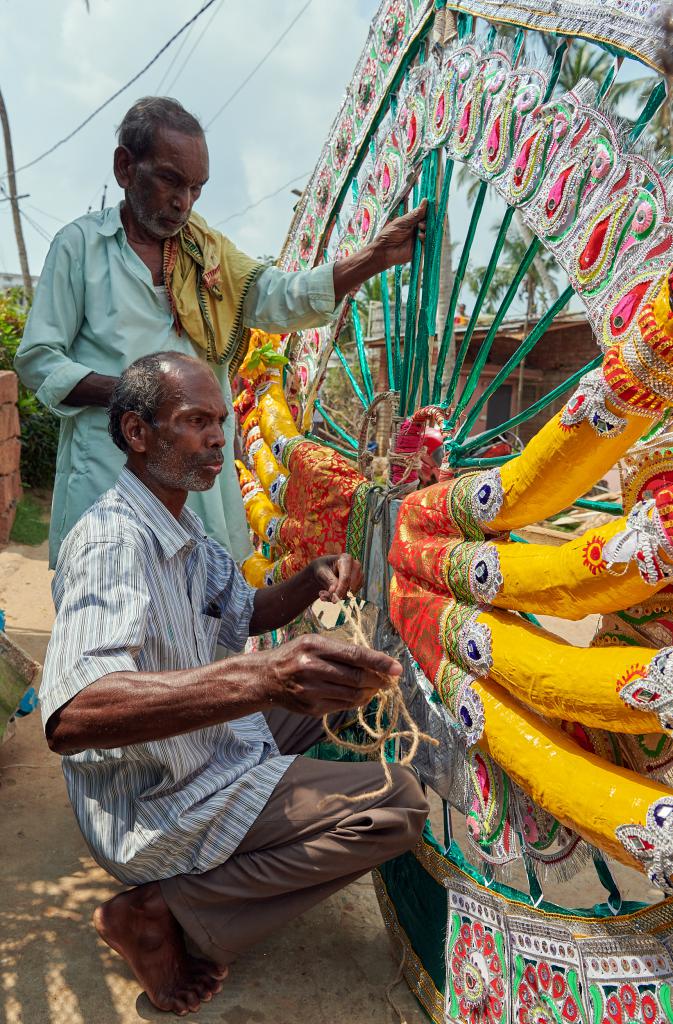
x,y
417,978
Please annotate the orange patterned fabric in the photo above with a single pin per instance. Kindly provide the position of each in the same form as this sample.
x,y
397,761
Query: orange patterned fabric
x,y
415,612
318,500
627,388
425,535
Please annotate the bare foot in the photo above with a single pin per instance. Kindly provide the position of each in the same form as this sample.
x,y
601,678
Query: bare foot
x,y
139,926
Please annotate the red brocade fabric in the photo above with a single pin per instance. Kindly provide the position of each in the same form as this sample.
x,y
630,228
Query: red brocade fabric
x,y
425,535
318,502
416,612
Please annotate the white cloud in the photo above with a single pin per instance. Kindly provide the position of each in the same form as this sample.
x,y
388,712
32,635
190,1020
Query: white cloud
x,y
59,63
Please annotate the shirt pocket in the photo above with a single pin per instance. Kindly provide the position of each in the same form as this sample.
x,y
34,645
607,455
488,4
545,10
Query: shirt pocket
x,y
210,626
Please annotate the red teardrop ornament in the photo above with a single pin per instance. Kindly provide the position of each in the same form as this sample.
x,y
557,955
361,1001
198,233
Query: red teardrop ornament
x,y
592,249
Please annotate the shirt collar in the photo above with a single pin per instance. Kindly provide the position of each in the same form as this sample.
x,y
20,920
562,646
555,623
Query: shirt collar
x,y
172,534
110,221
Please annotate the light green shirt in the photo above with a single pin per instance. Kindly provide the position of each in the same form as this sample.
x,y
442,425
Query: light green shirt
x,y
96,309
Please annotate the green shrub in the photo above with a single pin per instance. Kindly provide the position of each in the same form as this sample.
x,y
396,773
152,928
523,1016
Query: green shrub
x,y
39,426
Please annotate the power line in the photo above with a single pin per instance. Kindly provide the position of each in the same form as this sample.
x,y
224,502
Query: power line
x,y
259,64
36,227
175,57
262,200
114,96
203,32
44,213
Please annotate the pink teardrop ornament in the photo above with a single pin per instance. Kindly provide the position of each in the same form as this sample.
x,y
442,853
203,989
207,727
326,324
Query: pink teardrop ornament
x,y
464,122
439,111
411,132
523,157
493,141
556,191
627,307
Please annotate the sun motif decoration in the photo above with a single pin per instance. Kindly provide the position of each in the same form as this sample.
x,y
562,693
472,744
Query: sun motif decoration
x,y
593,556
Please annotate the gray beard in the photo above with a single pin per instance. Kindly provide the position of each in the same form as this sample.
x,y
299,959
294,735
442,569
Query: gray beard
x,y
147,221
164,468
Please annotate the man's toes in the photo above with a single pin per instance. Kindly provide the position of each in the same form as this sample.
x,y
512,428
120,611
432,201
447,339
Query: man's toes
x,y
219,971
213,985
202,986
190,998
177,1005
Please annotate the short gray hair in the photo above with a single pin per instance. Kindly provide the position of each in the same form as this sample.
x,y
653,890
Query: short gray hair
x,y
142,388
138,129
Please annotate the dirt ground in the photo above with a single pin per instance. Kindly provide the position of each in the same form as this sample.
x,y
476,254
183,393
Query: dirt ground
x,y
332,966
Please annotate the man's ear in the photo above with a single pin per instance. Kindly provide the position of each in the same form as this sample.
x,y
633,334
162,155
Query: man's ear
x,y
135,431
124,166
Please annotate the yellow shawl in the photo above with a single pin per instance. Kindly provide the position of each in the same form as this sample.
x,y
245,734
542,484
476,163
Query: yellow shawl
x,y
207,279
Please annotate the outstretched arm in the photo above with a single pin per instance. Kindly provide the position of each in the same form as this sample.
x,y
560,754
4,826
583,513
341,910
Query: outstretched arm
x,y
312,675
280,302
394,245
94,696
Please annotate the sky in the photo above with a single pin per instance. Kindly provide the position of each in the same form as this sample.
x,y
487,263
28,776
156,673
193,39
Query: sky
x,y
58,63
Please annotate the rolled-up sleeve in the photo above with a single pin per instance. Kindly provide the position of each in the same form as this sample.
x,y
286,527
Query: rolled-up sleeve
x,y
43,360
291,301
234,599
102,601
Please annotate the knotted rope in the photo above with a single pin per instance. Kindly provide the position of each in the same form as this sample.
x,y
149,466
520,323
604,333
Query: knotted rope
x,y
392,720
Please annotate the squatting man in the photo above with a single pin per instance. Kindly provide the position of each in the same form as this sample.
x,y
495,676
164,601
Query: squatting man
x,y
186,774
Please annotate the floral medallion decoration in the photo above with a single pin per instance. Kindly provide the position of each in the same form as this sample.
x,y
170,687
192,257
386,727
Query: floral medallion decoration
x,y
628,987
343,143
392,31
306,240
365,91
476,962
323,192
547,973
543,996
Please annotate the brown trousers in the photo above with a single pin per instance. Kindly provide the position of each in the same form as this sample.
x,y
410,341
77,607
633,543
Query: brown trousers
x,y
306,844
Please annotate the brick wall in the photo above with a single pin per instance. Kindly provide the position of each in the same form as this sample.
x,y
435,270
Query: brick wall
x,y
10,451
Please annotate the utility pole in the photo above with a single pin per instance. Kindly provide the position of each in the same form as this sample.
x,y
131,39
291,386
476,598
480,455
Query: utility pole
x,y
14,202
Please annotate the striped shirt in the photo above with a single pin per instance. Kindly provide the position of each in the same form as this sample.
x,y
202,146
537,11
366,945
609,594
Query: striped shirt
x,y
137,590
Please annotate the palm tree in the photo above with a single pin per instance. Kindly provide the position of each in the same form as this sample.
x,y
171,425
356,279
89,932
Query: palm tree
x,y
538,287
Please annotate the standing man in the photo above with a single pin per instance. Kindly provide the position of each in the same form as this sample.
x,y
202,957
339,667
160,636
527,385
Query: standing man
x,y
184,774
149,276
